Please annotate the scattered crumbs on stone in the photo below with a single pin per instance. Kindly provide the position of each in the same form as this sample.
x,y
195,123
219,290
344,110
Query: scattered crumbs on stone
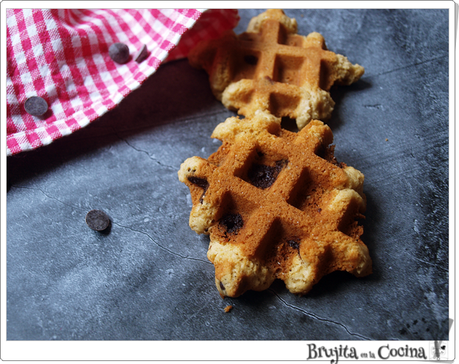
x,y
387,140
228,308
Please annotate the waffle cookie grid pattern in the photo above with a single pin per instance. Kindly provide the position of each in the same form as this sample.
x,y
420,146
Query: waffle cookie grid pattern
x,y
271,69
276,205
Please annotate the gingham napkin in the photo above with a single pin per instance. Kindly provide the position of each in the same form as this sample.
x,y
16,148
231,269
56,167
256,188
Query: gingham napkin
x,y
62,56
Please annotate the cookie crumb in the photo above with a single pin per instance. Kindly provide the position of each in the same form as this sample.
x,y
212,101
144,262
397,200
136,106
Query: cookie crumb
x,y
228,308
387,140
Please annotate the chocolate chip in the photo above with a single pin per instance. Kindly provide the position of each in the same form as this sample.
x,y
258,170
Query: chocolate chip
x,y
142,54
232,222
294,244
263,176
36,106
97,220
222,287
119,53
200,182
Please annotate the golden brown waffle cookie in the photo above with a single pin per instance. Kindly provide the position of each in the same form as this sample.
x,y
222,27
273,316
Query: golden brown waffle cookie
x,y
271,69
276,204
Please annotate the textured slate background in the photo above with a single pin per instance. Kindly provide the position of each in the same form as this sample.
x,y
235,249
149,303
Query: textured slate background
x,y
149,277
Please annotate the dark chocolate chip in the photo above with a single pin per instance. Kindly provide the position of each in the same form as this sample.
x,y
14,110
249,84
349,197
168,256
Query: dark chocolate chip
x,y
142,54
263,176
232,222
119,53
97,220
222,287
36,106
251,59
200,182
294,244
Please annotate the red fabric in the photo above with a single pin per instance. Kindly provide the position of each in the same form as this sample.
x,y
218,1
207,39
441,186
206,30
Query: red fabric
x,y
62,56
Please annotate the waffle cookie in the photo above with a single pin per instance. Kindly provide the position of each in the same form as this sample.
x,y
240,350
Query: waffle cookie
x,y
271,69
277,205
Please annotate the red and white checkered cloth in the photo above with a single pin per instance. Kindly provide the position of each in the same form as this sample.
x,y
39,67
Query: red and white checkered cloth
x,y
62,56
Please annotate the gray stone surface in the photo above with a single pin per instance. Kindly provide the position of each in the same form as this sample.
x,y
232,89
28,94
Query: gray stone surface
x,y
149,278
